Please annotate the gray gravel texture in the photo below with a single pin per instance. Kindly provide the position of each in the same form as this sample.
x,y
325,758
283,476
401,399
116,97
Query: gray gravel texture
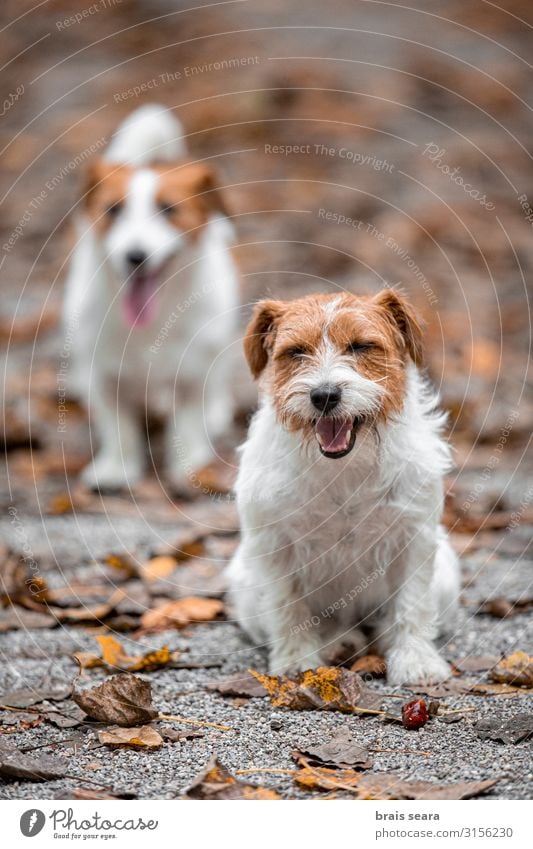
x,y
453,752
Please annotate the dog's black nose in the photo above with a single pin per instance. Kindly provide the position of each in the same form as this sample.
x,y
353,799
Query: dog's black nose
x,y
325,398
135,257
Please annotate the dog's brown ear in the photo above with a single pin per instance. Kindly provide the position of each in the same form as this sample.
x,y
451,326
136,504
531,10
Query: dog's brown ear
x,y
97,171
405,320
203,181
260,334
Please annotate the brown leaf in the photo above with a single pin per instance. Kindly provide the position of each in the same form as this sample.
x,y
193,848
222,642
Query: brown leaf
x,y
391,787
183,611
122,562
476,663
123,700
87,613
370,664
158,567
91,793
175,736
19,583
240,684
141,737
216,782
17,764
517,669
340,751
325,688
502,608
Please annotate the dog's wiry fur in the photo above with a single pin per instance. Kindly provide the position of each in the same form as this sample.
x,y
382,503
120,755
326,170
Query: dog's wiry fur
x,y
150,302
342,536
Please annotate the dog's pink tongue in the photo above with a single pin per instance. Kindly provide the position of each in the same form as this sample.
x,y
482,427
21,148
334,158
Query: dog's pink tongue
x,y
333,434
139,299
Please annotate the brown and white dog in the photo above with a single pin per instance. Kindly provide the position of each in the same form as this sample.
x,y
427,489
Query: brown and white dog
x,y
151,300
340,488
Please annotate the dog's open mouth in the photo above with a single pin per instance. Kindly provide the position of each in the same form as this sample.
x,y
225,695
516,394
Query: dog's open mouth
x,y
140,297
336,437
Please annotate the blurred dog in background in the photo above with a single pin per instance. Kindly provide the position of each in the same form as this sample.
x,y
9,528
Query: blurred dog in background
x,y
152,291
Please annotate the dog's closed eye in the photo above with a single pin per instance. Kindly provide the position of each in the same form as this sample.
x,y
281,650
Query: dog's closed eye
x,y
166,207
359,347
294,353
114,209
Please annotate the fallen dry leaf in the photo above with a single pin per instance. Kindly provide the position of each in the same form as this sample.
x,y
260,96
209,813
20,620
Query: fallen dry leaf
x,y
341,751
476,663
123,700
114,656
502,608
216,782
391,787
91,793
517,669
326,778
23,767
325,688
158,567
370,664
175,736
240,684
513,730
140,737
179,613
19,584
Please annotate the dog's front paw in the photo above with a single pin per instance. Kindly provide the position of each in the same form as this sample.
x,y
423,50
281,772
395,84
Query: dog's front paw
x,y
417,662
105,475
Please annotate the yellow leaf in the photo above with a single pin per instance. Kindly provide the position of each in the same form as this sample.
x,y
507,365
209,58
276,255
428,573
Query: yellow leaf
x,y
325,688
158,567
517,669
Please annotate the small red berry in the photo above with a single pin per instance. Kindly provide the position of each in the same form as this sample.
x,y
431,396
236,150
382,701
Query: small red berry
x,y
414,714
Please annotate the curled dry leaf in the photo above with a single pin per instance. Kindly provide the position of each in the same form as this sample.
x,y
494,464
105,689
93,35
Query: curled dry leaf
x,y
311,777
240,684
141,737
183,611
341,751
18,585
114,657
123,700
517,670
325,688
370,664
216,782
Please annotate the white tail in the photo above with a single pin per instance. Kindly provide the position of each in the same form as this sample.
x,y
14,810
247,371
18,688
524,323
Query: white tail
x,y
150,134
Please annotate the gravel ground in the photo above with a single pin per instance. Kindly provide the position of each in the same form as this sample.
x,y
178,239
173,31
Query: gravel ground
x,y
453,752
